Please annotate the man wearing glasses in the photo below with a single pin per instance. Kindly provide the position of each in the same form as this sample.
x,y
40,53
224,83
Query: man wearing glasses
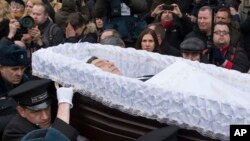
x,y
224,15
226,55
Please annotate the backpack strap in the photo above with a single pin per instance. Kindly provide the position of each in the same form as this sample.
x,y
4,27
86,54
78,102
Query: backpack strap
x,y
52,26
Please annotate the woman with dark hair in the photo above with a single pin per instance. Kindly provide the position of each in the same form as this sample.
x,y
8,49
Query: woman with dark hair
x,y
99,22
79,29
147,40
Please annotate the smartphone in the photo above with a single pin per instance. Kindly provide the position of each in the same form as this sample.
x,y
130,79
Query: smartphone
x,y
168,7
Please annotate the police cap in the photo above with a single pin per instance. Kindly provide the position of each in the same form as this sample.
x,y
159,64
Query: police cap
x,y
192,44
32,94
13,55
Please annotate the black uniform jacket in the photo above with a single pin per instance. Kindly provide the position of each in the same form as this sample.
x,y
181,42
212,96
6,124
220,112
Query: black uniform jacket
x,y
19,127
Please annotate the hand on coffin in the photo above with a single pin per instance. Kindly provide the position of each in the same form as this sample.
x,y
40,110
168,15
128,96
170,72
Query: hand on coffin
x,y
64,94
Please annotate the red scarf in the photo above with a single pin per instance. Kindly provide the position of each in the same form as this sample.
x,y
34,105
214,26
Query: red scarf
x,y
167,24
224,50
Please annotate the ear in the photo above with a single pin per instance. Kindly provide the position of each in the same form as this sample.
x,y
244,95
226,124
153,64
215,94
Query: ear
x,y
21,111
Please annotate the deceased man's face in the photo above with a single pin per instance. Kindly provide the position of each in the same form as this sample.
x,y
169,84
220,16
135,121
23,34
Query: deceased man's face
x,y
105,65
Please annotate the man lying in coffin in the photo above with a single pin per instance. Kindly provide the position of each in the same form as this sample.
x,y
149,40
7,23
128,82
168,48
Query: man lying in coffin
x,y
168,133
108,66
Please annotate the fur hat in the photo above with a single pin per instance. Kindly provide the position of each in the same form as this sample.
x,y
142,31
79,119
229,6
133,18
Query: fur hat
x,y
13,55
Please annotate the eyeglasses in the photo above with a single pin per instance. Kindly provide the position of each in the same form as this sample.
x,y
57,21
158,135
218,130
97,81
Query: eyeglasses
x,y
221,32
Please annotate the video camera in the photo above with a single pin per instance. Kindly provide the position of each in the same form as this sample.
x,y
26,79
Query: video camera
x,y
25,23
168,7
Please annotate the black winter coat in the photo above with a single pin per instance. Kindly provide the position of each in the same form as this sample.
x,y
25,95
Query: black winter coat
x,y
174,36
56,33
19,127
4,28
239,59
7,105
245,29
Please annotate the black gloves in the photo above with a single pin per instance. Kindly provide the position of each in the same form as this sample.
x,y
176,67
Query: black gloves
x,y
216,55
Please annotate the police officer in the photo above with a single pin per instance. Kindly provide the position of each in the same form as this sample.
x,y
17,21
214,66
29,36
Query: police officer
x,y
34,110
192,49
13,60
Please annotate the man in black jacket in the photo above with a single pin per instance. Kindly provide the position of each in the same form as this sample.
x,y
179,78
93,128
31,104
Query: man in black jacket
x,y
203,30
224,53
45,33
13,60
34,110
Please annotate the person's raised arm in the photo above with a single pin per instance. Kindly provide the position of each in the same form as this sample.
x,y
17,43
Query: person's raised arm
x,y
64,97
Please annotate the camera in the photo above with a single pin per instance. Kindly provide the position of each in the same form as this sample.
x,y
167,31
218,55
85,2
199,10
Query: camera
x,y
168,7
25,23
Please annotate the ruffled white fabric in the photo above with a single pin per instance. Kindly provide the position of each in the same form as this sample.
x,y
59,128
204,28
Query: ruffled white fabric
x,y
192,95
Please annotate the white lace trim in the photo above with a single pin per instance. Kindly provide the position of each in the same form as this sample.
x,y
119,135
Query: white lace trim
x,y
210,116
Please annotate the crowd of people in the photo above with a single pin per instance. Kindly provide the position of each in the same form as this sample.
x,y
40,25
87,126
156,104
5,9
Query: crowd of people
x,y
209,31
